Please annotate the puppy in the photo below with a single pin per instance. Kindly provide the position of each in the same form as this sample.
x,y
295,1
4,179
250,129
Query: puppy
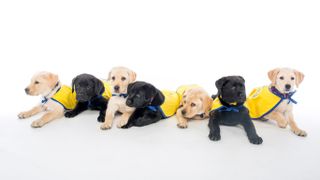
x,y
119,78
91,93
228,109
195,104
275,101
151,104
55,98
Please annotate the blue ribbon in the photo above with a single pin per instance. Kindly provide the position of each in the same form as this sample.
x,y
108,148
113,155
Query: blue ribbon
x,y
121,95
229,109
44,100
287,96
153,108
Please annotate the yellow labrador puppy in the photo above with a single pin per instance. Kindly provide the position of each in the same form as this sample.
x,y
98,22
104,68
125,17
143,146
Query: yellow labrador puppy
x,y
275,101
47,85
195,104
119,78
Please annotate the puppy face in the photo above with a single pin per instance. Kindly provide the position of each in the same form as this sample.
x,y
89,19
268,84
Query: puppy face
x,y
42,83
231,89
120,78
86,87
142,94
285,79
195,102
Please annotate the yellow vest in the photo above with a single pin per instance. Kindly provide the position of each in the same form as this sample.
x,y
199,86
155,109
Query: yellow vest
x,y
171,103
65,97
261,101
68,99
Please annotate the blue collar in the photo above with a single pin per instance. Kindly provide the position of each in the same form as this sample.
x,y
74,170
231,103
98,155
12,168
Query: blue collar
x,y
153,108
230,108
45,99
121,95
287,96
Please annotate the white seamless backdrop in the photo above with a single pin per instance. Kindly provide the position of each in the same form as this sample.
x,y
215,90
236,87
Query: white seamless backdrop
x,y
168,43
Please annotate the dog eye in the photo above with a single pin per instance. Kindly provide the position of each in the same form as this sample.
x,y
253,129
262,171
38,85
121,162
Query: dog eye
x,y
292,78
123,78
113,78
37,82
193,104
282,78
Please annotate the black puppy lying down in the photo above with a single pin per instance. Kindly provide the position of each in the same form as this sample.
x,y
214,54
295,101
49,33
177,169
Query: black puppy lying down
x,y
151,104
91,93
228,109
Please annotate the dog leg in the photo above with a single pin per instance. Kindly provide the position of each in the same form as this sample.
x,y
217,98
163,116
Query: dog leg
x,y
124,118
251,131
182,122
102,110
294,127
35,110
80,107
46,118
277,116
110,113
214,129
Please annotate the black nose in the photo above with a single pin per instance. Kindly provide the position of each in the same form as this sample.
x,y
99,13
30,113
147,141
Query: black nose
x,y
116,88
27,90
183,112
288,86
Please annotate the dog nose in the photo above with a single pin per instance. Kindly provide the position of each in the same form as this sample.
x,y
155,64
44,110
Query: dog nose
x,y
183,112
27,90
116,88
288,86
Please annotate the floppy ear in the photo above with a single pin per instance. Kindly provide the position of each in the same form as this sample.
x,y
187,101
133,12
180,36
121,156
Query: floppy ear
x,y
219,83
99,87
299,77
207,104
273,75
53,79
73,84
158,98
132,75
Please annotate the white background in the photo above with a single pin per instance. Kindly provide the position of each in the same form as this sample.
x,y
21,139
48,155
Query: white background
x,y
168,43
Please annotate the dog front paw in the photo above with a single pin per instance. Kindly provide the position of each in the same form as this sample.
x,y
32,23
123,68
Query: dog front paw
x,y
182,125
127,126
300,132
105,126
214,136
256,140
101,118
24,115
37,124
121,123
70,114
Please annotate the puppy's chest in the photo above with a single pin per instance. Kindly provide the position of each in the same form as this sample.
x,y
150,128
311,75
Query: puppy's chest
x,y
284,107
120,102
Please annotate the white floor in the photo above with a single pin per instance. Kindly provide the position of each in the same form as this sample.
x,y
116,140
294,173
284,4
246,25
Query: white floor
x,y
77,149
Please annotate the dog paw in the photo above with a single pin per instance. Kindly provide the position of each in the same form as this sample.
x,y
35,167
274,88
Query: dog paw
x,y
37,124
300,132
121,123
23,115
214,136
105,126
182,125
256,140
127,126
69,114
283,124
101,119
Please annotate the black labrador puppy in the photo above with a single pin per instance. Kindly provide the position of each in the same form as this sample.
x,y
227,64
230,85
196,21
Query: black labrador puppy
x,y
228,109
89,90
147,100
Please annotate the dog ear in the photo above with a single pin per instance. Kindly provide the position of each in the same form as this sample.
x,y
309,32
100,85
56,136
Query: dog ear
x,y
73,84
273,75
299,77
220,82
158,99
132,75
207,104
99,87
53,79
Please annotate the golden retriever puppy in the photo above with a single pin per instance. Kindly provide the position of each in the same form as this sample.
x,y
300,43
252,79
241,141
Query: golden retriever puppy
x,y
275,101
119,78
55,98
195,104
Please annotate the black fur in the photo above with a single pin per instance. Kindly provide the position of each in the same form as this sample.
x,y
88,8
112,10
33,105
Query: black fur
x,y
141,95
88,93
232,89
